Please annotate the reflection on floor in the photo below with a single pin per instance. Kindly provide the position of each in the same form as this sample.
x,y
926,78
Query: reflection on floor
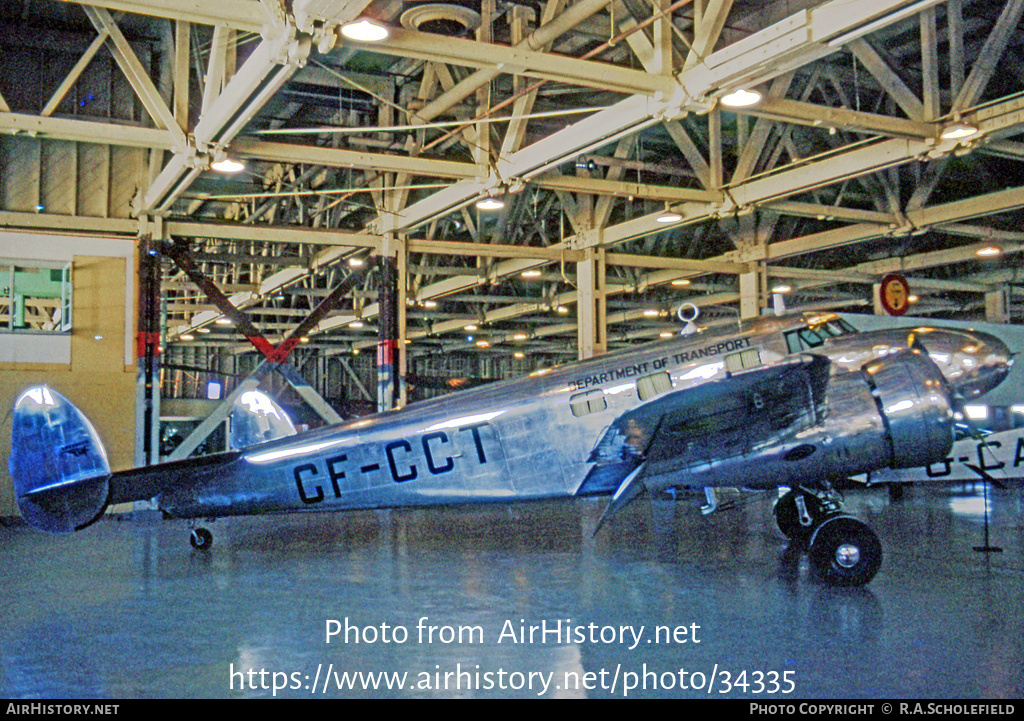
x,y
662,602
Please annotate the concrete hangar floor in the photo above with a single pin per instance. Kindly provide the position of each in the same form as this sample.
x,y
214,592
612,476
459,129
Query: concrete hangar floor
x,y
520,601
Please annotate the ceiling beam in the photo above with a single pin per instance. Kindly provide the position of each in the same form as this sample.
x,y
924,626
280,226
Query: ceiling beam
x,y
248,15
136,74
249,147
85,131
801,113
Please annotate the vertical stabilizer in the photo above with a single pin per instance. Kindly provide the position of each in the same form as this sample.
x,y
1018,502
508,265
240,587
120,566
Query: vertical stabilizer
x,y
60,469
256,418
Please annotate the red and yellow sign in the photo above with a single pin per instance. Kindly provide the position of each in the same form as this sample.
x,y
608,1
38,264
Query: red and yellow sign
x,y
894,294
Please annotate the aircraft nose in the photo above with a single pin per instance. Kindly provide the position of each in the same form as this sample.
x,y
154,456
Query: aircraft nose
x,y
976,362
994,361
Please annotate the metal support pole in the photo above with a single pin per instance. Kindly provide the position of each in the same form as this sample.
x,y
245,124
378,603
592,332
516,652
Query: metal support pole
x,y
148,352
387,339
591,307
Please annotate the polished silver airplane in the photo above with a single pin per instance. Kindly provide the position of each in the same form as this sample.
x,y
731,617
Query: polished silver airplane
x,y
796,402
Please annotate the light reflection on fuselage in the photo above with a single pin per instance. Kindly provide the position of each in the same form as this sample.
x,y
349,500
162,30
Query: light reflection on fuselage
x,y
972,362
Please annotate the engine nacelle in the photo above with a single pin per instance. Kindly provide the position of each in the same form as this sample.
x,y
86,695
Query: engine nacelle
x,y
786,428
915,405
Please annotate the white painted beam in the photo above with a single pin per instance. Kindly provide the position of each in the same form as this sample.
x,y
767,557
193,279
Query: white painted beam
x,y
136,74
340,158
520,61
85,131
242,14
555,22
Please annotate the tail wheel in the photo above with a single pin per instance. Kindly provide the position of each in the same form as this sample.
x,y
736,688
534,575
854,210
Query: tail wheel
x,y
201,539
845,552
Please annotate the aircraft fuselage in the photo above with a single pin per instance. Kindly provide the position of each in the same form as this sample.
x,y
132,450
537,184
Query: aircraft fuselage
x,y
796,402
535,437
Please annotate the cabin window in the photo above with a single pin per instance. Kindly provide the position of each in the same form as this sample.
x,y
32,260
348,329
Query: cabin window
x,y
35,297
653,384
583,404
750,358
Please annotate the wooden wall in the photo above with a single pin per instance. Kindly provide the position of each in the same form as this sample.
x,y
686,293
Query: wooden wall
x,y
100,378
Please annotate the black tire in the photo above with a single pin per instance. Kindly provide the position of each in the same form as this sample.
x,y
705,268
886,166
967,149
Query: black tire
x,y
201,539
845,552
787,517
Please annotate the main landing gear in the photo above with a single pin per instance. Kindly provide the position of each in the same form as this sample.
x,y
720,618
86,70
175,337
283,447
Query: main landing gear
x,y
843,550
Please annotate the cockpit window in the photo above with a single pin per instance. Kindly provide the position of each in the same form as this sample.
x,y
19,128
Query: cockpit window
x,y
804,339
837,326
814,336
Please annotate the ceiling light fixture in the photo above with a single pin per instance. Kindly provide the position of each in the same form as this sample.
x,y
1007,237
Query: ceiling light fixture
x,y
741,98
959,131
530,274
669,216
227,165
364,31
782,288
989,251
680,282
489,203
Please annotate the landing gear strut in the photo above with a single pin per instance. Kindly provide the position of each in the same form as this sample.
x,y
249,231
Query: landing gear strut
x,y
843,550
800,511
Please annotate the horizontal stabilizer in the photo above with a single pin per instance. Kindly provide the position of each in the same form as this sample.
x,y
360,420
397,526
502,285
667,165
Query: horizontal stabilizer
x,y
60,469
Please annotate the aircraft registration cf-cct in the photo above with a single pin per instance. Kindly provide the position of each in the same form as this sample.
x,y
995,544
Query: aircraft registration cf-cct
x,y
798,402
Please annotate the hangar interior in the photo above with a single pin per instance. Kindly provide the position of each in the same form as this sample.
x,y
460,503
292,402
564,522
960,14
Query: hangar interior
x,y
495,187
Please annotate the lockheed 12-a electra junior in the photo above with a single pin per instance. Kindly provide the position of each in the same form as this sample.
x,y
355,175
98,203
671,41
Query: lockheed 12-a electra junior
x,y
796,402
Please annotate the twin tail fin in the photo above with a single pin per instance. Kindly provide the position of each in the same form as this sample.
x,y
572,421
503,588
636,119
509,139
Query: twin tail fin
x,y
59,466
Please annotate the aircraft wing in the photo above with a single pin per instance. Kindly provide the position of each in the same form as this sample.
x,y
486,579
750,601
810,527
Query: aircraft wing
x,y
685,432
999,456
746,414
